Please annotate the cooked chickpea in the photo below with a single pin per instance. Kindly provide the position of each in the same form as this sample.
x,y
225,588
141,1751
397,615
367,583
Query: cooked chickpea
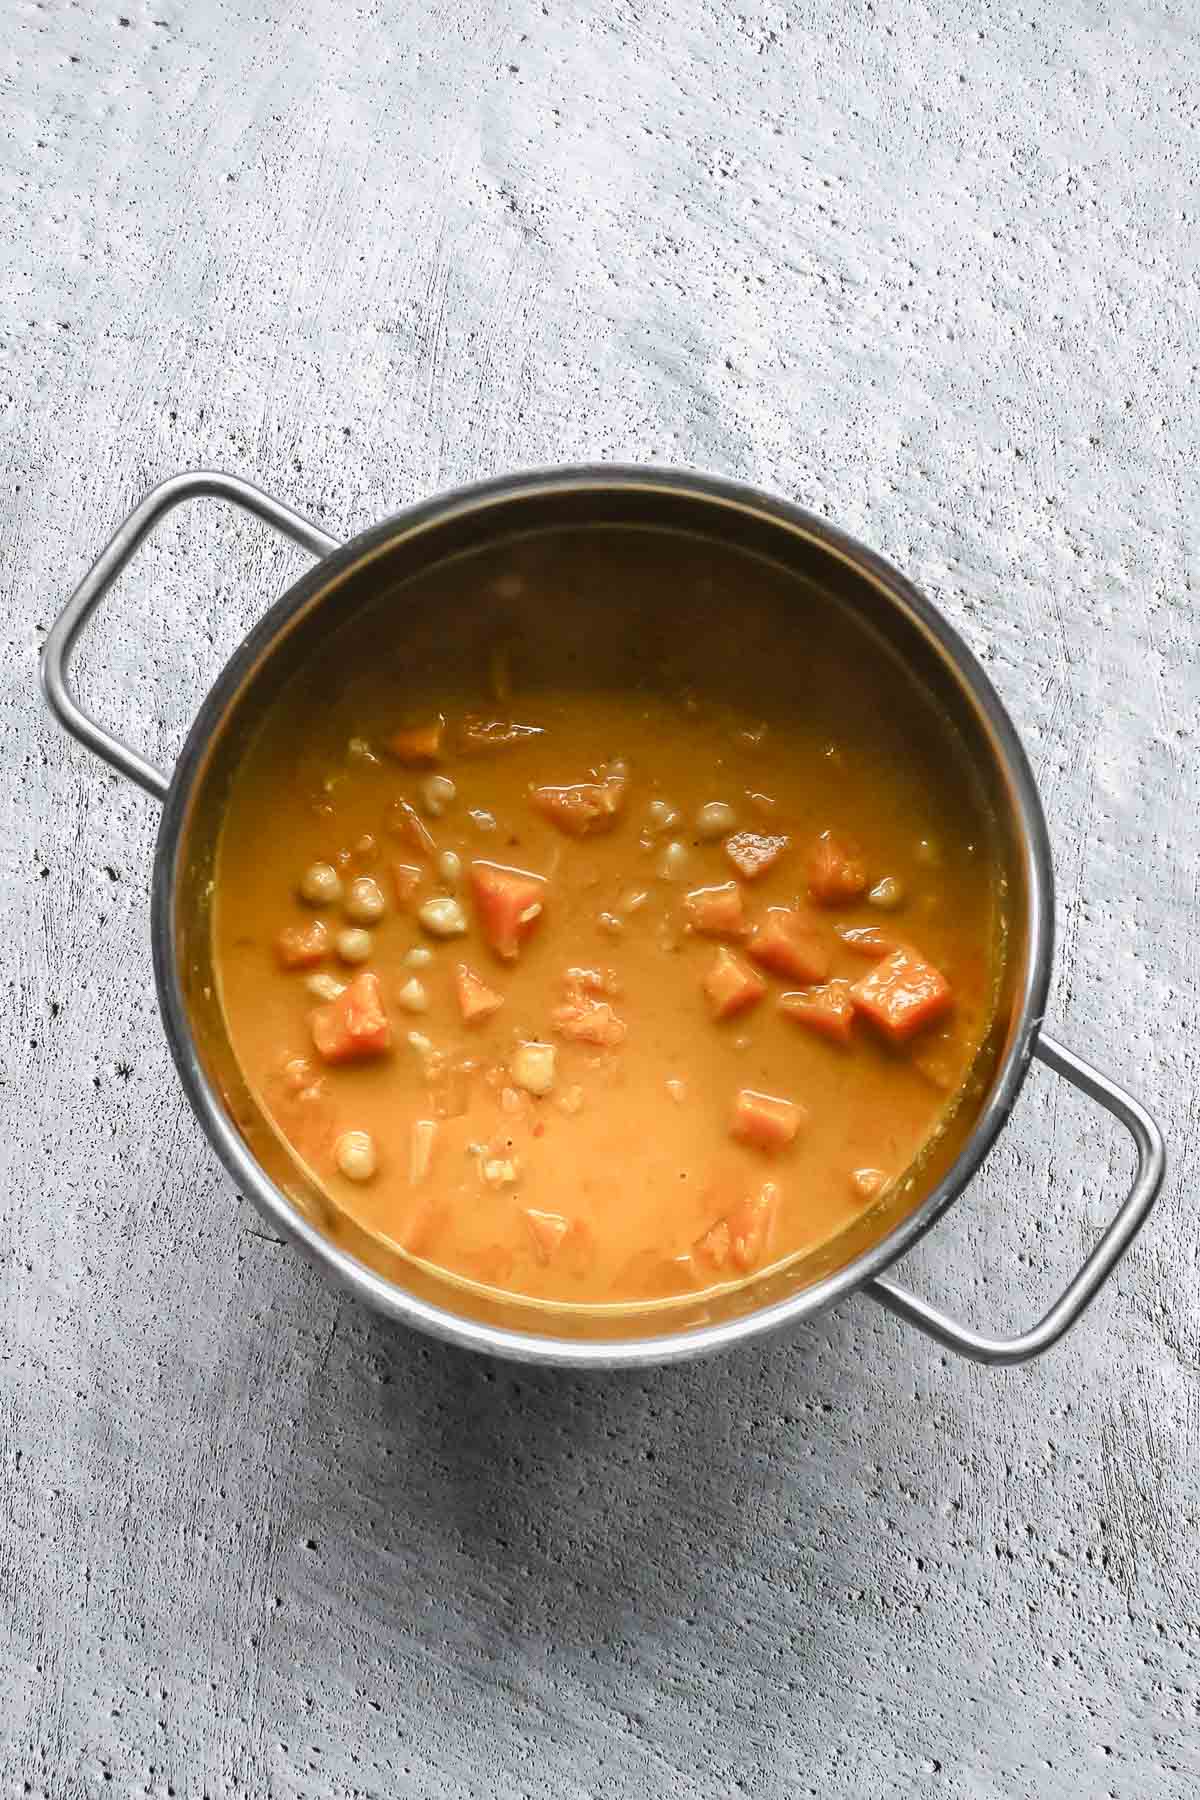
x,y
364,901
324,986
443,916
672,862
419,957
887,893
353,945
320,884
716,820
661,815
355,1155
450,868
481,819
437,793
413,997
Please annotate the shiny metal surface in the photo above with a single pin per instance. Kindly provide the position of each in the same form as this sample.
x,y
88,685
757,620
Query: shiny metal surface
x,y
487,507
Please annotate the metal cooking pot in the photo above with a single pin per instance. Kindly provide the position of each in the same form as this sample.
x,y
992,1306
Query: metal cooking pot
x,y
344,578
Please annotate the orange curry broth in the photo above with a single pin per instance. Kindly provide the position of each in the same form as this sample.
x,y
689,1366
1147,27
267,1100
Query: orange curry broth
x,y
712,677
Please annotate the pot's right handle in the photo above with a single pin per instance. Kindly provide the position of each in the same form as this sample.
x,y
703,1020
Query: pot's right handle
x,y
1086,1284
60,643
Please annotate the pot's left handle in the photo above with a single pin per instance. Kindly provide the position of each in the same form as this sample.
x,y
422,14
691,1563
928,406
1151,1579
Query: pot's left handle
x,y
60,644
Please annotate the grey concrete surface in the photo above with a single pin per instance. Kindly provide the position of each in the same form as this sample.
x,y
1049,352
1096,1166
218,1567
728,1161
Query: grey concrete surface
x,y
930,267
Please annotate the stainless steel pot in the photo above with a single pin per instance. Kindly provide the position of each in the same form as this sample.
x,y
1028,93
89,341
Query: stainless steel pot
x,y
343,578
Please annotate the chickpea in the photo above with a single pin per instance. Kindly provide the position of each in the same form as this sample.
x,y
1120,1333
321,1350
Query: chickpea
x,y
323,986
662,815
353,945
355,1155
450,868
419,957
887,894
413,997
320,884
716,820
437,793
443,917
364,901
671,862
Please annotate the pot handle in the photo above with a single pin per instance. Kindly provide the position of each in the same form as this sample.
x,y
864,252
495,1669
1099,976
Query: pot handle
x,y
1083,1287
60,643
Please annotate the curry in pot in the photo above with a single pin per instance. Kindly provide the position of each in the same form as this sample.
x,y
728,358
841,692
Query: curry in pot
x,y
606,918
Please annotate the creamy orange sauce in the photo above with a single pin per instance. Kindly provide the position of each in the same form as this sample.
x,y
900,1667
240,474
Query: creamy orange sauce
x,y
701,695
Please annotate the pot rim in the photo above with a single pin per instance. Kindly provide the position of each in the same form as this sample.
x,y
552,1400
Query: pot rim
x,y
717,493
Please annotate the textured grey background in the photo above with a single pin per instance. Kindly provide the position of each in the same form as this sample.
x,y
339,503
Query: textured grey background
x,y
932,269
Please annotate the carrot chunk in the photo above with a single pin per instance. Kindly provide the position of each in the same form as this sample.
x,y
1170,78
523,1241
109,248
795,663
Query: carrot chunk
x,y
478,734
587,807
836,872
750,1226
867,940
787,944
765,1121
752,853
509,903
300,946
731,985
355,1025
406,880
418,746
476,1000
829,1010
547,1230
716,911
903,994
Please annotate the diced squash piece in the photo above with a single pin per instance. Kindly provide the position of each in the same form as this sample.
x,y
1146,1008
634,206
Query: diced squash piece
x,y
752,853
828,1010
406,822
750,1226
588,807
355,1025
903,994
533,1066
594,981
714,1247
588,1020
867,940
787,944
716,911
836,872
405,880
476,1000
478,734
300,946
765,1121
731,985
418,746
547,1229
508,903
